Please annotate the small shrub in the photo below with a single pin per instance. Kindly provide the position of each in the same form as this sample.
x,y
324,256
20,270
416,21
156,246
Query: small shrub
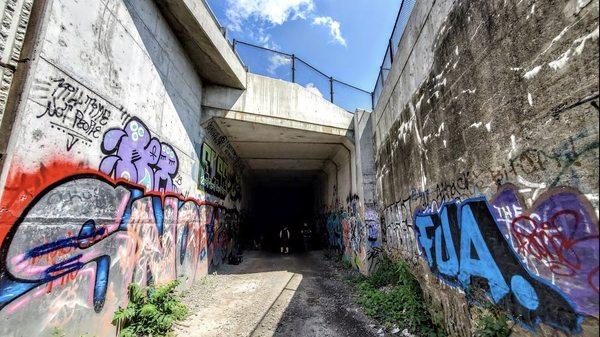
x,y
491,322
150,312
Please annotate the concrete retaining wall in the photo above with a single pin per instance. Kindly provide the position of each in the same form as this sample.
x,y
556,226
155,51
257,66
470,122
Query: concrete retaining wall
x,y
108,177
14,15
487,161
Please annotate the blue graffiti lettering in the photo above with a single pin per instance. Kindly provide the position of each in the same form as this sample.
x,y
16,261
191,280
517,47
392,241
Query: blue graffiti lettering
x,y
486,260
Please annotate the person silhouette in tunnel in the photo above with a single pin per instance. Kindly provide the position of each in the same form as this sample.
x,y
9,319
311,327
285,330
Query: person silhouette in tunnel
x,y
284,237
306,237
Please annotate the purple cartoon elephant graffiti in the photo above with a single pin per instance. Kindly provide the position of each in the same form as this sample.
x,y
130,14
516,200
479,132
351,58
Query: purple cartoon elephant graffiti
x,y
132,153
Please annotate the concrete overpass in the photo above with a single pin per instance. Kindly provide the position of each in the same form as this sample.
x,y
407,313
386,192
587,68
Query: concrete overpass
x,y
280,126
274,127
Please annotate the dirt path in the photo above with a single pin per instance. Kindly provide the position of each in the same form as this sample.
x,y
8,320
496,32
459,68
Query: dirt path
x,y
273,295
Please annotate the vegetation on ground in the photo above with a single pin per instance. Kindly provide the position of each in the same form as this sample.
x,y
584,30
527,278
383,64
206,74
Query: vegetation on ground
x,y
393,296
151,312
491,322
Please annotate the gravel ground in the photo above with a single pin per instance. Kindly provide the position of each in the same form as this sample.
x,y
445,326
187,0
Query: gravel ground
x,y
275,295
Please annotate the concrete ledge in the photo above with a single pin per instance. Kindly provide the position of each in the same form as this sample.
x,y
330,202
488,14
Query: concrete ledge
x,y
271,99
275,121
202,38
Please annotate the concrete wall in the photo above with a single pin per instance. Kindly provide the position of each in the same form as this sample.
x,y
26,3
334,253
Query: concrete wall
x,y
14,15
108,177
486,140
350,215
365,157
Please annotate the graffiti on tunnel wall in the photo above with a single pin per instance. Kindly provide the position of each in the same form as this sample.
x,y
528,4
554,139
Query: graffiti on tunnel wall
x,y
556,238
215,175
104,232
73,236
355,232
74,111
512,254
132,154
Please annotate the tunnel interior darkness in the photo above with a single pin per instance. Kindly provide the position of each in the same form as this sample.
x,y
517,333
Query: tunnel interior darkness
x,y
275,201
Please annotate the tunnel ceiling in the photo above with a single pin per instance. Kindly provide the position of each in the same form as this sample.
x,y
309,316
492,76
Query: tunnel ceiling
x,y
267,147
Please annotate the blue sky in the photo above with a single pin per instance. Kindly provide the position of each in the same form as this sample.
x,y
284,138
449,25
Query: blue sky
x,y
343,38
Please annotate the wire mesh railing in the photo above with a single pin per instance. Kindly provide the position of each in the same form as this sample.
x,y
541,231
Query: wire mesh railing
x,y
406,8
289,67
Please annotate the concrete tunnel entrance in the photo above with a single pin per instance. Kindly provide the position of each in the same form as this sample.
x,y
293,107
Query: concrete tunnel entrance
x,y
291,176
277,199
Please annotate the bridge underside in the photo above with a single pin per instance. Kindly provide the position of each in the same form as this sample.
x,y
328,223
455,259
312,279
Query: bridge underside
x,y
290,174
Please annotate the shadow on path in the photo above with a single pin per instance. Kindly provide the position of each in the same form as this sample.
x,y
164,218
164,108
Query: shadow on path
x,y
275,295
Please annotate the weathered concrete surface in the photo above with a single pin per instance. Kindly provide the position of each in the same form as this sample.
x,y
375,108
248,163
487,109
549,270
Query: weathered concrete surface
x,y
205,43
365,163
496,100
412,63
108,176
270,295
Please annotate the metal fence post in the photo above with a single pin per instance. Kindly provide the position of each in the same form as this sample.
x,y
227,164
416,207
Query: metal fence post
x,y
373,101
391,51
293,68
234,42
331,88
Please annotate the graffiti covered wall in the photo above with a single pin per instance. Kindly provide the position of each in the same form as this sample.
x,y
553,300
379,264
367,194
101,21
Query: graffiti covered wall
x,y
355,232
487,176
101,184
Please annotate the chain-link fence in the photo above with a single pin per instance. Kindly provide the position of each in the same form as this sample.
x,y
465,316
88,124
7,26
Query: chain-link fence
x,y
406,8
288,67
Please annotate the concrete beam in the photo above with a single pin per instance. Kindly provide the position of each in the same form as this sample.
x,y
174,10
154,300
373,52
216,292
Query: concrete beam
x,y
286,164
275,102
201,36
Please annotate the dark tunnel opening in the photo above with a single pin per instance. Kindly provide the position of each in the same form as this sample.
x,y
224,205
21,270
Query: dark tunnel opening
x,y
290,201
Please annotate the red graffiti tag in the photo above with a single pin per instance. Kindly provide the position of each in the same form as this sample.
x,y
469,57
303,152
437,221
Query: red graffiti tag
x,y
553,242
22,187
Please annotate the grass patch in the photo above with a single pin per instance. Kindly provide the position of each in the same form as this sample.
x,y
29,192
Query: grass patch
x,y
393,296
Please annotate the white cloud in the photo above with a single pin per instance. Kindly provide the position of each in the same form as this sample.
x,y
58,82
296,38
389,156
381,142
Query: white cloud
x,y
274,12
277,61
312,88
334,28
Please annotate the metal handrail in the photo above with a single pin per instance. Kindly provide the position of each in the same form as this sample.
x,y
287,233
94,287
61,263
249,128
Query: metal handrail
x,y
259,47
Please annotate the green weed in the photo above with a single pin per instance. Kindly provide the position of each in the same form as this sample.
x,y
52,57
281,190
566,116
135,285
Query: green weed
x,y
394,297
491,322
150,312
57,332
